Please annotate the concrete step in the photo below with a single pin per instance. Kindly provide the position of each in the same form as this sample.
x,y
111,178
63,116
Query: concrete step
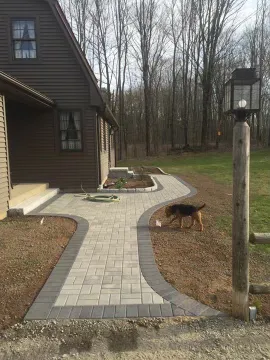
x,y
32,203
22,192
117,172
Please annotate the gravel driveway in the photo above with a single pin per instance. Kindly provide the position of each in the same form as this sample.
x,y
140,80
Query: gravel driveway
x,y
178,338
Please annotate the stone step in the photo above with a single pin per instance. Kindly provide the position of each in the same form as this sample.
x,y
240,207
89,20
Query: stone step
x,y
117,172
32,203
22,192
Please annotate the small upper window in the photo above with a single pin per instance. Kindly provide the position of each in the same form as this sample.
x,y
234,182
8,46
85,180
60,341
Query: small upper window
x,y
24,39
70,130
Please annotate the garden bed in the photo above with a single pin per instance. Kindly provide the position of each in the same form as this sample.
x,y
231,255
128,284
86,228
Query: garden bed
x,y
28,253
198,264
139,182
147,170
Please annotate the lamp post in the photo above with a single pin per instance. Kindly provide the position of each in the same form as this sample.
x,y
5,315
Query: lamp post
x,y
242,94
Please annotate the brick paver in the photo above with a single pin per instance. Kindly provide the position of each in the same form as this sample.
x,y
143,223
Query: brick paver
x,y
106,270
107,277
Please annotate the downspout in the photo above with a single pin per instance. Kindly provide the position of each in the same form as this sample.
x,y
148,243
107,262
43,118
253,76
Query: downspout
x,y
115,152
98,149
109,143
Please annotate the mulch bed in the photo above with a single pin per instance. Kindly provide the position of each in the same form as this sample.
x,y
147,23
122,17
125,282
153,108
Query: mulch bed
x,y
146,170
28,253
143,182
199,263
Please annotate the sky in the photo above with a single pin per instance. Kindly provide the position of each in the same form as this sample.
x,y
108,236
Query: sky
x,y
249,8
247,11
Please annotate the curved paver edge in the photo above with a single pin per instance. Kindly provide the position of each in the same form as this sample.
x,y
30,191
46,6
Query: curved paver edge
x,y
43,304
42,308
151,272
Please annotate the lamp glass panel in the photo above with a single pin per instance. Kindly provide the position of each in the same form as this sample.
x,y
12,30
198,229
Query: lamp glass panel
x,y
241,92
227,98
255,96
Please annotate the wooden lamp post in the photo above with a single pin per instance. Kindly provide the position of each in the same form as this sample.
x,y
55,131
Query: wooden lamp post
x,y
242,98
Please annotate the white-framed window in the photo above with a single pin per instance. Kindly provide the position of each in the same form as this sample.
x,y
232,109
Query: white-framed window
x,y
24,39
70,130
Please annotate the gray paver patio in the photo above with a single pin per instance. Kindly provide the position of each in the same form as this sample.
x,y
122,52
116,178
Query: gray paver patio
x,y
106,270
106,273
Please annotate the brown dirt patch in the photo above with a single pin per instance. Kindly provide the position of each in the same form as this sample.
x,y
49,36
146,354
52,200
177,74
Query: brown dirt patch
x,y
199,263
28,253
146,170
142,182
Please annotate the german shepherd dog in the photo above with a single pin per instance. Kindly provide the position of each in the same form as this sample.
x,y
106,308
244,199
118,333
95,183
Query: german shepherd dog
x,y
181,210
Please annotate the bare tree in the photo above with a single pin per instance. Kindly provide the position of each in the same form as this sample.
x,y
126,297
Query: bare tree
x,y
78,13
163,65
149,52
122,36
104,44
174,34
213,16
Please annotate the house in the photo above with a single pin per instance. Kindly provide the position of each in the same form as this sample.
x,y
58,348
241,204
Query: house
x,y
55,127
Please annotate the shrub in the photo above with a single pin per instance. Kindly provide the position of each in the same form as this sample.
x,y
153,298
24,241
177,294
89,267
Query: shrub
x,y
120,183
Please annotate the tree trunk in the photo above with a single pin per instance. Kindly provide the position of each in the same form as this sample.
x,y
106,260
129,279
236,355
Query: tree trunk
x,y
205,114
147,115
173,114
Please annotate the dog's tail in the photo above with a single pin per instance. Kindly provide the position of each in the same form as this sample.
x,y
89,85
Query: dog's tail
x,y
201,207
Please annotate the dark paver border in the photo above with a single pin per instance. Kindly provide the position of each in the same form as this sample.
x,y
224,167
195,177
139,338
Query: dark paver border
x,y
151,272
43,304
49,312
180,304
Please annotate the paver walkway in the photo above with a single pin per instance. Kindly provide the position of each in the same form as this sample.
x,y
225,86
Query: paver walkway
x,y
105,278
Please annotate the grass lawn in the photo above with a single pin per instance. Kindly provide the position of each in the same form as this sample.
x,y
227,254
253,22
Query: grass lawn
x,y
199,264
218,166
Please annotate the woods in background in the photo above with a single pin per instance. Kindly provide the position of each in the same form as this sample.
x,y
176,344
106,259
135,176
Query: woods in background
x,y
162,66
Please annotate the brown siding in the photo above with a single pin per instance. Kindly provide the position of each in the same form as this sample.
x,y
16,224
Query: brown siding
x,y
58,75
4,180
35,156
